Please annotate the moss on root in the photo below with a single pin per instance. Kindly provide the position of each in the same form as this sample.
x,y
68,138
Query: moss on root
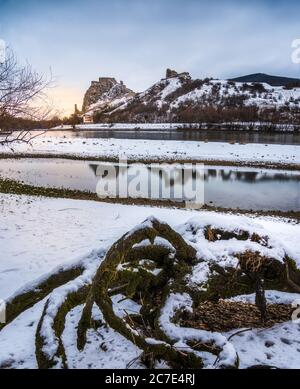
x,y
26,300
143,286
292,274
43,359
147,274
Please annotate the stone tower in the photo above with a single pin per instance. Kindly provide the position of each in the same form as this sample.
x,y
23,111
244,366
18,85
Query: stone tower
x,y
76,110
96,90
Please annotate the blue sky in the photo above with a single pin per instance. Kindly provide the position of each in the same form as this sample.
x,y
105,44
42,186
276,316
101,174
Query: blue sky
x,y
136,40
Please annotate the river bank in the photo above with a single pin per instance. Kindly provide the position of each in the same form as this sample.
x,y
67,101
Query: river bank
x,y
12,187
137,150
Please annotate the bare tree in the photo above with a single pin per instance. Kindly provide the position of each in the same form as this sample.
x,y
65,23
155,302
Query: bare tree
x,y
22,96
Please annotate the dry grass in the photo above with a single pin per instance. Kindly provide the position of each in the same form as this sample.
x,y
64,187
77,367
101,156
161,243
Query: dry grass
x,y
228,315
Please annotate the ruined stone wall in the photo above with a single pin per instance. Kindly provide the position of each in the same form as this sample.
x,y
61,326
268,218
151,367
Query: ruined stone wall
x,y
96,90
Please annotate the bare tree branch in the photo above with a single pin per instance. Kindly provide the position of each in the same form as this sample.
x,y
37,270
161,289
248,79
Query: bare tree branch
x,y
22,97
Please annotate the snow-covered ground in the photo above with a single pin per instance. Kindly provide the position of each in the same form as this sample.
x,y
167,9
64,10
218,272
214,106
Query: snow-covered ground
x,y
38,234
138,149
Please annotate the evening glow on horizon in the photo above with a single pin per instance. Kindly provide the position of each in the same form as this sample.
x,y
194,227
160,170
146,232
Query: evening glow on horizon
x,y
136,40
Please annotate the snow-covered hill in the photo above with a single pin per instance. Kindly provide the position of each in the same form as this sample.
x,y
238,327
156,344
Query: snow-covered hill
x,y
115,97
105,94
179,97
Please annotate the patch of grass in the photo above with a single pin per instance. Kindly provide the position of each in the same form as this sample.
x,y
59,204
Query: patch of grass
x,y
19,188
228,315
15,187
214,234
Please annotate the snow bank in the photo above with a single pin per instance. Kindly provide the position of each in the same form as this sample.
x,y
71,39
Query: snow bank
x,y
38,235
31,231
139,149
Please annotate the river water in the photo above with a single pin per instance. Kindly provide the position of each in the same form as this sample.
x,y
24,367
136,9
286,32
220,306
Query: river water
x,y
228,187
231,136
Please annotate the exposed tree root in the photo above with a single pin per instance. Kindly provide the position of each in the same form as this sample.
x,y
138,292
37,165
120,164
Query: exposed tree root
x,y
56,357
143,285
149,265
38,292
292,274
49,346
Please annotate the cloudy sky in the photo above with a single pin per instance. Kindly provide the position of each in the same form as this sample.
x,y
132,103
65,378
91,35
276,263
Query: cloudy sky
x,y
136,40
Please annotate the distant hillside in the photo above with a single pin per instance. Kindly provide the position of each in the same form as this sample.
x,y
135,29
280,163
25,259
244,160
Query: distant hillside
x,y
266,78
179,98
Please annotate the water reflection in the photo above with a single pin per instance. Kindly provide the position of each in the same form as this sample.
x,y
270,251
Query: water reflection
x,y
174,182
230,136
228,187
244,188
247,176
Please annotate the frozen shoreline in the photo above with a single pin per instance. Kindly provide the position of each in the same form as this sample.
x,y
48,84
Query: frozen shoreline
x,y
242,126
154,150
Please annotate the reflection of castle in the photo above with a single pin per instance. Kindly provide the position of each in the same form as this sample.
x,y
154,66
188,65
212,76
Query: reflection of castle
x,y
246,176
